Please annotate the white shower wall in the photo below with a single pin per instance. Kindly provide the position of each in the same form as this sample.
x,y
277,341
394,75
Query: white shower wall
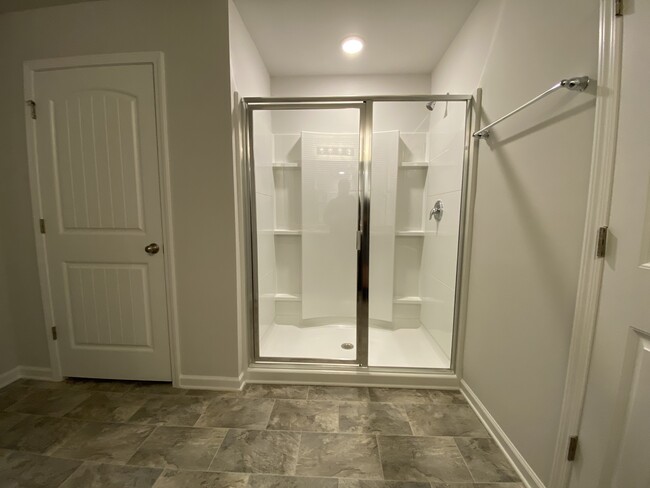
x,y
264,204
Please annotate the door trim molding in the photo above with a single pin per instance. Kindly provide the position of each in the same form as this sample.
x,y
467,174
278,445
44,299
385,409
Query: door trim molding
x,y
597,215
157,62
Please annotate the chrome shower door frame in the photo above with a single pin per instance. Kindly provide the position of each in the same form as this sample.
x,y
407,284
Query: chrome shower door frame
x,y
252,105
365,106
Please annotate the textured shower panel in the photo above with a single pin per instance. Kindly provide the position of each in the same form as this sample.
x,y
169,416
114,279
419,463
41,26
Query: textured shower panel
x,y
383,190
330,164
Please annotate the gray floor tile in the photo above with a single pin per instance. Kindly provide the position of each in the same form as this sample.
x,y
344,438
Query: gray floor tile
x,y
477,485
11,394
91,475
107,407
213,393
105,443
342,393
348,483
20,469
399,395
242,413
9,419
374,418
272,481
422,459
485,460
113,386
170,410
179,448
199,479
447,396
305,415
156,388
339,455
101,421
258,451
445,420
48,385
55,402
38,434
291,392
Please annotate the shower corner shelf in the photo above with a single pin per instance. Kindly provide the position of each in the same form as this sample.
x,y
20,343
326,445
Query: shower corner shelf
x,y
287,297
287,232
414,165
409,233
286,165
407,300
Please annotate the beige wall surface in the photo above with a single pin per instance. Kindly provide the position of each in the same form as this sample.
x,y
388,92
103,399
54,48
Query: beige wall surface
x,y
530,207
8,353
194,38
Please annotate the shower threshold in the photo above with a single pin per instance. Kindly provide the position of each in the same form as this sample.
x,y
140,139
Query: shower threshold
x,y
400,348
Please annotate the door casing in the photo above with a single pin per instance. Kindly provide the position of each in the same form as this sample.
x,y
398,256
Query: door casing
x,y
157,62
597,215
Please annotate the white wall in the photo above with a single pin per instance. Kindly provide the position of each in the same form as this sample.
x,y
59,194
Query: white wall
x,y
248,72
194,37
250,78
530,206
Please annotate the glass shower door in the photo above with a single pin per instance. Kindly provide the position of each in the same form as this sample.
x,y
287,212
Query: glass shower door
x,y
304,172
417,195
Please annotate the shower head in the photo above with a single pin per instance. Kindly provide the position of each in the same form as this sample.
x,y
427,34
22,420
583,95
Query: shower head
x,y
430,106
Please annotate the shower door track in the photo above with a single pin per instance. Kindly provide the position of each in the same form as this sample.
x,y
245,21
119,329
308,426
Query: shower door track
x,y
365,106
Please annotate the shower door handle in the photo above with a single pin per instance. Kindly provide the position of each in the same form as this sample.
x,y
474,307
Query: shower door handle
x,y
358,240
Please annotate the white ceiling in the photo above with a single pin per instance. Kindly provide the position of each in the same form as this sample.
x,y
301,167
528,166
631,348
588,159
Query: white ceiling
x,y
303,37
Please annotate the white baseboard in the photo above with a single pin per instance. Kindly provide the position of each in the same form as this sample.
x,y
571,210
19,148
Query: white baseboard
x,y
34,373
9,377
211,382
525,472
27,372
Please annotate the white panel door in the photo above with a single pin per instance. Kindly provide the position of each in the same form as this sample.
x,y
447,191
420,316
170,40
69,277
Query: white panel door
x,y
97,154
614,446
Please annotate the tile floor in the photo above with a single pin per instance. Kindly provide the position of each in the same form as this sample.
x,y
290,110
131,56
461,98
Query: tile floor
x,y
84,433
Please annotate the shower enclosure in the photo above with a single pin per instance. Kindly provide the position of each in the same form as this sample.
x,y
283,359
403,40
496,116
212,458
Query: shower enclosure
x,y
356,209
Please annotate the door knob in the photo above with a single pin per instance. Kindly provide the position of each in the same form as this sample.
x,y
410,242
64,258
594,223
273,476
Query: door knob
x,y
152,249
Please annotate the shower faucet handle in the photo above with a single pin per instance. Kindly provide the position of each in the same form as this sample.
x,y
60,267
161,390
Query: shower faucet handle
x,y
437,211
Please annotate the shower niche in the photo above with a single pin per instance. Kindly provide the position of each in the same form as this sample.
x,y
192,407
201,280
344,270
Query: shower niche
x,y
306,173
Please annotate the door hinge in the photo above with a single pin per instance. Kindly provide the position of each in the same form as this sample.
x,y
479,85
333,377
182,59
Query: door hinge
x,y
54,336
32,108
41,223
573,447
618,6
601,242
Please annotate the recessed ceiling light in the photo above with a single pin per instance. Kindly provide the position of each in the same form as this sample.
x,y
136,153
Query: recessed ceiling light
x,y
352,45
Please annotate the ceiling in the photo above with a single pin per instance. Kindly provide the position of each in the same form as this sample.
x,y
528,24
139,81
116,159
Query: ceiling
x,y
303,37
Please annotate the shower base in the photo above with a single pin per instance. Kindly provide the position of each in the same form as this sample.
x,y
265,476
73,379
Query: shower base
x,y
402,348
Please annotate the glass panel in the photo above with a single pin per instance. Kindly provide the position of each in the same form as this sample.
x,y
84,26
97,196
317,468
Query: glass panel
x,y
306,165
417,160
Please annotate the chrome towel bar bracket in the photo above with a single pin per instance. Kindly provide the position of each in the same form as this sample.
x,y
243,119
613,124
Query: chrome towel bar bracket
x,y
578,83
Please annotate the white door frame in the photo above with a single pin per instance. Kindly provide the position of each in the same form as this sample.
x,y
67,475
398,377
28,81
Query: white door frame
x,y
597,215
157,61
